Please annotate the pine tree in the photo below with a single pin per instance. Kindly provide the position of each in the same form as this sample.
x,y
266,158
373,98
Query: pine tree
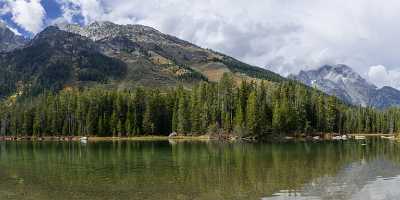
x,y
265,112
114,123
252,114
139,108
120,128
27,124
330,114
195,111
277,118
128,127
37,122
148,124
239,119
183,114
129,120
226,97
100,126
65,129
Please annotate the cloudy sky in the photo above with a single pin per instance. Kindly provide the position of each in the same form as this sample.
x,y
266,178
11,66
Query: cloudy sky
x,y
282,35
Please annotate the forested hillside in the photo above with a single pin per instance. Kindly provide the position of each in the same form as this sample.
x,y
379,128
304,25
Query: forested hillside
x,y
250,109
108,55
106,79
54,60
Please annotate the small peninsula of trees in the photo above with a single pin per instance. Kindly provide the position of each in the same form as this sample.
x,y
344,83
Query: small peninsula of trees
x,y
254,108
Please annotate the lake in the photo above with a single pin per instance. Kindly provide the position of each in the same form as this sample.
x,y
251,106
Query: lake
x,y
170,170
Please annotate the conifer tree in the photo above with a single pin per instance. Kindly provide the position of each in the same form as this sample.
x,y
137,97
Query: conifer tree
x,y
226,98
100,126
183,114
330,114
148,124
277,118
37,123
114,124
195,111
257,108
252,114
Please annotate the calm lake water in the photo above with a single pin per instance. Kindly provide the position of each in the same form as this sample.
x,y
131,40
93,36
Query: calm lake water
x,y
200,170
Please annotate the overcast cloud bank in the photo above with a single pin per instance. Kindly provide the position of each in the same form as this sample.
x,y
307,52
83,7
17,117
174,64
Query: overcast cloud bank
x,y
283,35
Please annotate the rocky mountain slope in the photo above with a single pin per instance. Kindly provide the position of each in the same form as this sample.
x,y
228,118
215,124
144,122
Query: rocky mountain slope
x,y
9,40
343,82
138,41
385,97
53,60
115,56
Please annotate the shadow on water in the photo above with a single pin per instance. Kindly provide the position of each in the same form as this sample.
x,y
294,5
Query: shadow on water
x,y
199,170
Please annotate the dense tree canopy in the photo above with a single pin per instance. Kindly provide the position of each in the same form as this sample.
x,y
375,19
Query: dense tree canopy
x,y
249,108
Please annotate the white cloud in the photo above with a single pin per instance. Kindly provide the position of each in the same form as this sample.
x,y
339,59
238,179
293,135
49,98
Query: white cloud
x,y
383,77
4,10
284,35
289,35
69,10
28,14
90,10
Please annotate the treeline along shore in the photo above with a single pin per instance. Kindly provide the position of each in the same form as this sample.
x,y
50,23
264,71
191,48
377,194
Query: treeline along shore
x,y
245,109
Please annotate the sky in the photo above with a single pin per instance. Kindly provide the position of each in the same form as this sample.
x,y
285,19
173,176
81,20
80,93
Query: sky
x,y
285,36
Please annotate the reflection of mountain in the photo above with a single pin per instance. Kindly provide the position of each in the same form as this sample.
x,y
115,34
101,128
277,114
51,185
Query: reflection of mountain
x,y
373,180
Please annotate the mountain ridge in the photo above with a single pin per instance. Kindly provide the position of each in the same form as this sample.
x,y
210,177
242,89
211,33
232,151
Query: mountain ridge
x,y
342,81
9,40
53,60
86,54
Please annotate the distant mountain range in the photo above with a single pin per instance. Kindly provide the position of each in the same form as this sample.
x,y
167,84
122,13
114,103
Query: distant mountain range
x,y
8,40
346,84
109,55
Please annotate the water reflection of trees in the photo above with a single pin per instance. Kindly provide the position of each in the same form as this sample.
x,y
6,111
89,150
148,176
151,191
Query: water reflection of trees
x,y
195,170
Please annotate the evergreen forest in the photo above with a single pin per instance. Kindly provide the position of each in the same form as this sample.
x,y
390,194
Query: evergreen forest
x,y
248,108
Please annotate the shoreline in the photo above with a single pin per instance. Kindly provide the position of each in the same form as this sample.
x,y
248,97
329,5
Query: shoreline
x,y
152,138
371,135
175,138
99,139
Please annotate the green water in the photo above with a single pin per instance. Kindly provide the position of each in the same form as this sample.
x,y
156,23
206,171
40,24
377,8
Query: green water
x,y
199,170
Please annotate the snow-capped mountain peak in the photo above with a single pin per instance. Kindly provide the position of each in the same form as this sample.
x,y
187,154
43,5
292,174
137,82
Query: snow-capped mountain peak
x,y
343,82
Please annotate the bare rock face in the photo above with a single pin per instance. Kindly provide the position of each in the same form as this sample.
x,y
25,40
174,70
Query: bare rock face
x,y
346,84
385,97
155,51
104,54
147,38
9,40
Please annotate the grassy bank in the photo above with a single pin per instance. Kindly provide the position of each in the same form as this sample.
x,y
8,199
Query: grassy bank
x,y
95,138
371,135
224,137
150,138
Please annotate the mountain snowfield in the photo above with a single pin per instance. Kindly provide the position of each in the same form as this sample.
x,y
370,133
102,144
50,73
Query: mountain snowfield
x,y
341,81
